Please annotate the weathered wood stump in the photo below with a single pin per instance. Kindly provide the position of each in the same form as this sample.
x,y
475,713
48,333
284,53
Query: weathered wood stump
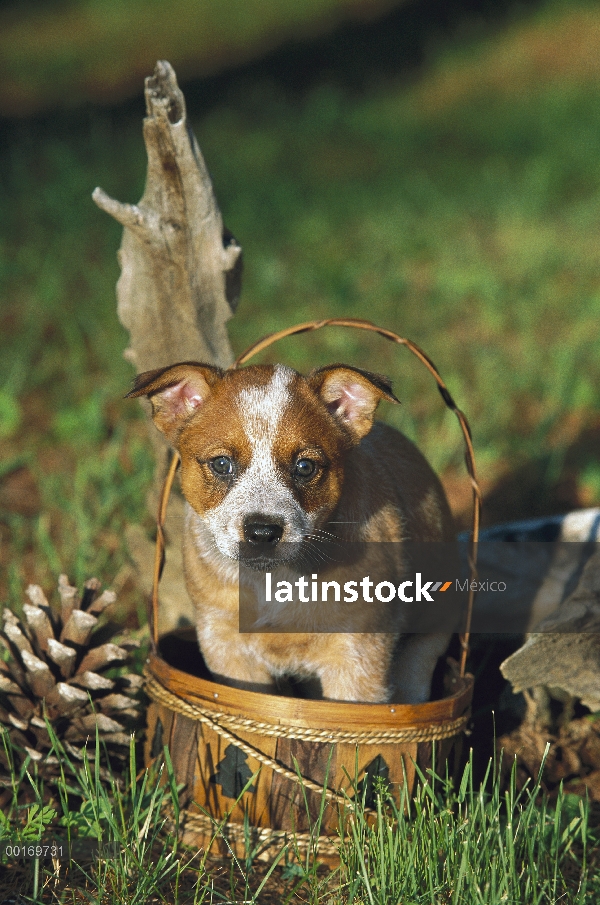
x,y
180,283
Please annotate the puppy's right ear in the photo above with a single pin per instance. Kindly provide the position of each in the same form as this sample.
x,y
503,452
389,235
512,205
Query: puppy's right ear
x,y
175,393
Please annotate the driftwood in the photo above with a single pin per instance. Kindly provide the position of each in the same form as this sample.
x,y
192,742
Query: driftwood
x,y
561,657
551,568
180,282
560,581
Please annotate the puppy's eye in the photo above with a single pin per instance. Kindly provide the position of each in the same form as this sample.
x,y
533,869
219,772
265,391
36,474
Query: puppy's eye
x,y
305,468
221,466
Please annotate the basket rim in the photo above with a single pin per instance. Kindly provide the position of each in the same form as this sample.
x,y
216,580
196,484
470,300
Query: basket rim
x,y
302,713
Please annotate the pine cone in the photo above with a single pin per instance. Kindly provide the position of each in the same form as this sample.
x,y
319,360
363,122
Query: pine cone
x,y
57,661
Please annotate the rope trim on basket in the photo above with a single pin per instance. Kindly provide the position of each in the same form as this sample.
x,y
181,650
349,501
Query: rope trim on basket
x,y
158,693
237,832
216,719
162,695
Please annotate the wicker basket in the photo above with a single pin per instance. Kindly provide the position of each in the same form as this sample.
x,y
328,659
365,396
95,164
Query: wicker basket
x,y
219,737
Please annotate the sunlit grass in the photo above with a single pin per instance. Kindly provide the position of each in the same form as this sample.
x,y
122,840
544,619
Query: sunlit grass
x,y
438,844
469,232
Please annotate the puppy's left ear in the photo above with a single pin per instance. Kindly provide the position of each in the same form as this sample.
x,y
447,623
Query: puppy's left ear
x,y
351,395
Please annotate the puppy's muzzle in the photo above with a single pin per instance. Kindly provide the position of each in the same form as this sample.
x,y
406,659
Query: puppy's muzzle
x,y
262,532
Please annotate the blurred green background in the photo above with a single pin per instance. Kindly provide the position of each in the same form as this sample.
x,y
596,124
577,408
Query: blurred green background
x,y
432,166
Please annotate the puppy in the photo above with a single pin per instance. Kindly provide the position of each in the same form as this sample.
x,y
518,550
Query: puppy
x,y
273,465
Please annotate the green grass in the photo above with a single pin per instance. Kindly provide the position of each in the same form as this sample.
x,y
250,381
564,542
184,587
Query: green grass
x,y
62,375
124,812
473,845
479,845
471,236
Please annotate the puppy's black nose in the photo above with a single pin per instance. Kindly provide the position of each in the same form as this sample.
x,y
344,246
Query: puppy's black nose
x,y
262,533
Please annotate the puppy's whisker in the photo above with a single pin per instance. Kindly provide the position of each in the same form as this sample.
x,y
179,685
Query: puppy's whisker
x,y
323,539
321,531
317,551
325,542
318,545
309,552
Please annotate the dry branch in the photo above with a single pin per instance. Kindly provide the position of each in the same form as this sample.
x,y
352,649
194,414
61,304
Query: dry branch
x,y
180,273
180,282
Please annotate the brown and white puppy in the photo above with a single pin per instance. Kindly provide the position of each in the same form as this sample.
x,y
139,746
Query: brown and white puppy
x,y
274,461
